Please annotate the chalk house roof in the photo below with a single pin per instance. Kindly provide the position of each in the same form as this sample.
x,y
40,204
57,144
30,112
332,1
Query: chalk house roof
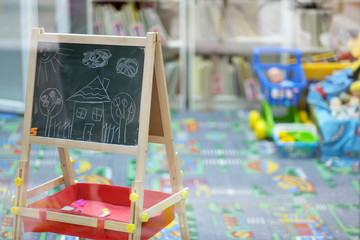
x,y
94,92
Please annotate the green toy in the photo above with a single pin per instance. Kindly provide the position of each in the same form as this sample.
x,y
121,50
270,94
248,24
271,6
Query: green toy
x,y
264,123
281,88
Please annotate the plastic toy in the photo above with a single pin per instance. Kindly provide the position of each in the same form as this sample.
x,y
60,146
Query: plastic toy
x,y
78,203
354,46
340,135
319,70
303,136
345,97
105,212
337,109
353,109
283,89
275,75
296,140
355,87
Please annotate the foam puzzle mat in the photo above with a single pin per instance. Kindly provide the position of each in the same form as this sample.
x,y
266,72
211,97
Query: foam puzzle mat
x,y
239,187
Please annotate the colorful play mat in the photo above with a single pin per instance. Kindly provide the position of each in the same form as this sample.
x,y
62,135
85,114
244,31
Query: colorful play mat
x,y
240,188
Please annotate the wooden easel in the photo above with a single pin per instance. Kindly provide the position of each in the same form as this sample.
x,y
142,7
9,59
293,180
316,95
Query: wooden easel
x,y
154,126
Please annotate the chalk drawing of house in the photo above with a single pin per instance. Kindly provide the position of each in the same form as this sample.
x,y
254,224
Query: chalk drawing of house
x,y
88,114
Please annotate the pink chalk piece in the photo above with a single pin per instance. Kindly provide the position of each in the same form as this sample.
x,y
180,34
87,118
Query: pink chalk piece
x,y
73,205
81,202
78,203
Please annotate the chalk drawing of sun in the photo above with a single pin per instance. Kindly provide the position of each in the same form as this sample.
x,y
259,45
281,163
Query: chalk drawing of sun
x,y
49,55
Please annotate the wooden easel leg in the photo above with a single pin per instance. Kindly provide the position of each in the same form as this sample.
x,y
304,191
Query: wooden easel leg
x,y
17,228
184,229
66,166
172,158
181,209
21,190
143,137
21,183
138,188
17,225
176,184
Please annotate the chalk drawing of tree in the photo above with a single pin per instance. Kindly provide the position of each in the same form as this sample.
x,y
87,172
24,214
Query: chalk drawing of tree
x,y
51,103
123,110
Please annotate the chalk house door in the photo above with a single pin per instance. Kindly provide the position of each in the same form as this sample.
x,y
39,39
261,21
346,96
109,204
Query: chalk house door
x,y
87,132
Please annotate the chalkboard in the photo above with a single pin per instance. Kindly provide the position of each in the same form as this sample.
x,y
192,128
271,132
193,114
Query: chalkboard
x,y
88,92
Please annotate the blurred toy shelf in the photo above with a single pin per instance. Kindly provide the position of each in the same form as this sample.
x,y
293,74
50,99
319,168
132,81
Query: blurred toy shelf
x,y
312,50
220,50
176,102
173,44
238,45
234,28
135,18
217,102
224,102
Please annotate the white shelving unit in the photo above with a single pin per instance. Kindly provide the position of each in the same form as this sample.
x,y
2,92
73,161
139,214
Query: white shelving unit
x,y
280,12
239,45
176,47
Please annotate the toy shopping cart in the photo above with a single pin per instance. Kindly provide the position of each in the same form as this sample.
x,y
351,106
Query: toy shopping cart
x,y
285,93
288,91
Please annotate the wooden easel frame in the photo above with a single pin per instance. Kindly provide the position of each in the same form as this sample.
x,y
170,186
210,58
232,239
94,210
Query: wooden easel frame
x,y
154,126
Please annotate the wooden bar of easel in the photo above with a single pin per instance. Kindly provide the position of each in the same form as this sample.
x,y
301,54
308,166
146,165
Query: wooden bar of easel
x,y
154,126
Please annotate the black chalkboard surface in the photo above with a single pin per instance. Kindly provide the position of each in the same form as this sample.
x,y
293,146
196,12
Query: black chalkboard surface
x,y
88,92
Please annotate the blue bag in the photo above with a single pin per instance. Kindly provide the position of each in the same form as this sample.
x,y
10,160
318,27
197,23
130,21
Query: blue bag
x,y
341,138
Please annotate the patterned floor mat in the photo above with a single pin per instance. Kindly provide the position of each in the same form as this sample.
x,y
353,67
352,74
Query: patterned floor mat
x,y
239,187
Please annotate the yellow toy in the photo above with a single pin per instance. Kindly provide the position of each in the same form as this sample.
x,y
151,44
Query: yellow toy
x,y
355,87
354,46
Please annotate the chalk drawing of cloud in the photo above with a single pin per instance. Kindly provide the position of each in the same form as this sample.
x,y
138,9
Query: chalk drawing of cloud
x,y
97,58
127,66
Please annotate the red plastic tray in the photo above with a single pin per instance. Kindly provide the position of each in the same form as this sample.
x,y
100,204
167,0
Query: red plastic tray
x,y
97,197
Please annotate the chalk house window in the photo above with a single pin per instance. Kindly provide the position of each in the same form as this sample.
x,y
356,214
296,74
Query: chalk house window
x,y
97,114
81,113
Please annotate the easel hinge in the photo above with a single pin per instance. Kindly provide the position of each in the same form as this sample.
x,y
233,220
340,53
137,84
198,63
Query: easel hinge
x,y
158,38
